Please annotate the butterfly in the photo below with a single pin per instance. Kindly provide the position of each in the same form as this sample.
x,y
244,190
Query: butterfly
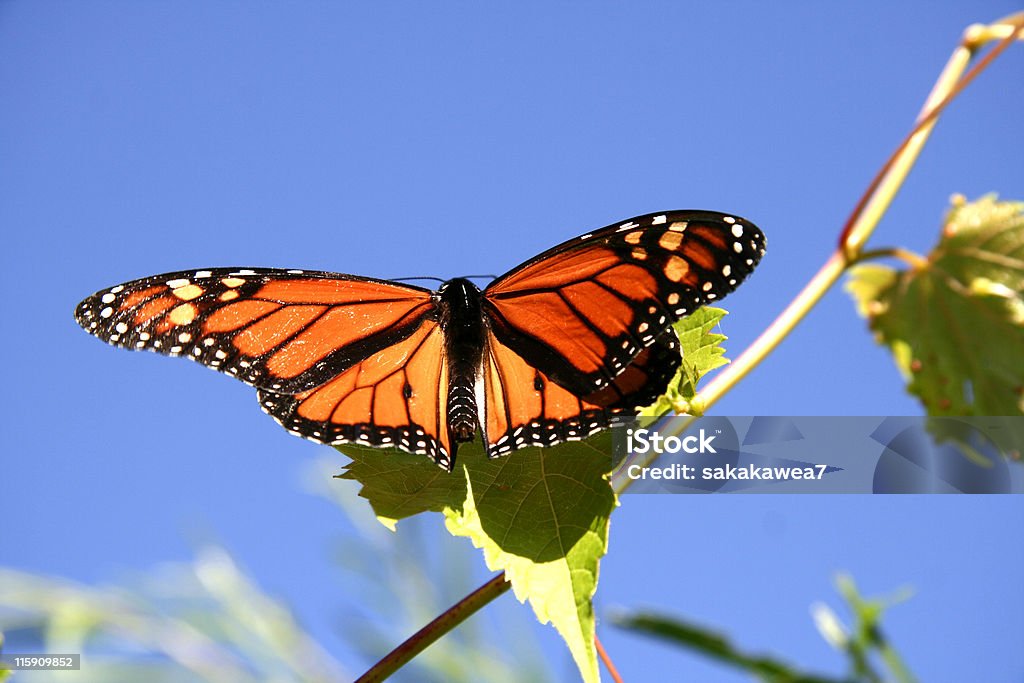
x,y
549,352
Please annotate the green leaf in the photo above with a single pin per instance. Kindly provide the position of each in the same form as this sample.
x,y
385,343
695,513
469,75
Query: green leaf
x,y
955,323
400,485
702,352
541,515
715,646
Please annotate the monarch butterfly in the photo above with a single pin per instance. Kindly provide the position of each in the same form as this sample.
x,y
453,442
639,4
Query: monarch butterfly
x,y
548,352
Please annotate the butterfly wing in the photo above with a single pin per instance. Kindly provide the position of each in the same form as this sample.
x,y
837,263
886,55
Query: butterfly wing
x,y
523,407
583,310
396,398
280,330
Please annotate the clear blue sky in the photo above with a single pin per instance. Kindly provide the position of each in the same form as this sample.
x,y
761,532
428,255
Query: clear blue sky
x,y
397,139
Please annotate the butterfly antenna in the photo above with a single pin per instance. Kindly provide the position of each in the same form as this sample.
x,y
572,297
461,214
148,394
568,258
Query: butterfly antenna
x,y
417,277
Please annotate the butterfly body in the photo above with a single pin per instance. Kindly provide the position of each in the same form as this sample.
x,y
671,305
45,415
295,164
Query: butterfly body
x,y
549,352
460,309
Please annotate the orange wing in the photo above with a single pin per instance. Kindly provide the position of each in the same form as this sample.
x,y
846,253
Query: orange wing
x,y
582,311
394,398
286,331
524,408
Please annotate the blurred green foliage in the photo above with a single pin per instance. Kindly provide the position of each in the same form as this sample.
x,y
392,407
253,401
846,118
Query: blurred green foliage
x,y
208,620
861,642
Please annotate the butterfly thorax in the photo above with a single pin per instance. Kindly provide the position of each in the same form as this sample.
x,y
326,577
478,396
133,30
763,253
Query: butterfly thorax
x,y
459,304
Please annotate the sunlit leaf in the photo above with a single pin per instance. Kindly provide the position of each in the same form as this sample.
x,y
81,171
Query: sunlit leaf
x,y
541,515
955,323
702,352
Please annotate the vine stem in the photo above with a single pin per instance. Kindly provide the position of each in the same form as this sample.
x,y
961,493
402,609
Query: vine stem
x,y
913,260
861,223
876,199
862,220
603,654
445,622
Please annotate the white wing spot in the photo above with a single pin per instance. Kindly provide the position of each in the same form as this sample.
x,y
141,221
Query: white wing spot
x,y
180,282
144,336
107,312
737,230
737,247
726,270
587,236
203,273
707,286
220,354
121,328
184,337
117,289
730,220
628,226
658,220
108,298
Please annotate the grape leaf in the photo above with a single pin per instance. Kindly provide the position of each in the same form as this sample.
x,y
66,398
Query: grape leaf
x,y
955,323
540,514
542,517
702,352
400,485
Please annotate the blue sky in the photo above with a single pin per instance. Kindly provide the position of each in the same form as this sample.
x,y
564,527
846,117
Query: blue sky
x,y
443,139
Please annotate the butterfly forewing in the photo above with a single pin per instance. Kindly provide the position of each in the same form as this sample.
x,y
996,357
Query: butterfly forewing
x,y
582,311
281,330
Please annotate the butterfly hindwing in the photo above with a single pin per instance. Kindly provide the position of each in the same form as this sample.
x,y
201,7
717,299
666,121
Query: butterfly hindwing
x,y
645,379
525,408
281,330
394,398
582,311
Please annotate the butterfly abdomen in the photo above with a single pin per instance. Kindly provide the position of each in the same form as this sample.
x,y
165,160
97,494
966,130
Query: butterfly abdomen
x,y
459,304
